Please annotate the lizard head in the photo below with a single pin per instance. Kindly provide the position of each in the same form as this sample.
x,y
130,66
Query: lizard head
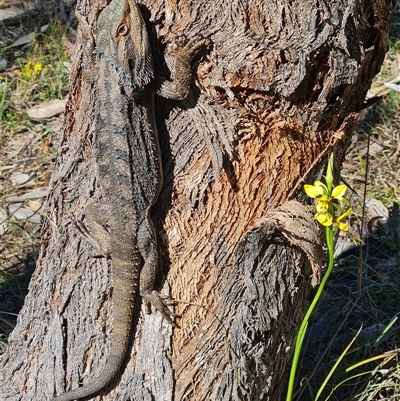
x,y
123,41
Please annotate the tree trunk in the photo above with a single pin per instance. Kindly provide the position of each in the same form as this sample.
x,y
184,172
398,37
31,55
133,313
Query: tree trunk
x,y
277,90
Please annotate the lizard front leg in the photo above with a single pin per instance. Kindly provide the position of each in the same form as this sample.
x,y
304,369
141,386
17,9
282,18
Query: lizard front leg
x,y
181,68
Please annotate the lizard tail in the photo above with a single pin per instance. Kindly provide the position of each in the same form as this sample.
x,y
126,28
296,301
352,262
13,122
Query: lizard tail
x,y
88,389
124,291
98,383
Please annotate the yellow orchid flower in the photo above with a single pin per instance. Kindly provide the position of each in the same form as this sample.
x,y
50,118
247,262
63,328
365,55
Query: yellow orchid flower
x,y
324,218
323,204
332,207
339,191
317,190
329,201
341,225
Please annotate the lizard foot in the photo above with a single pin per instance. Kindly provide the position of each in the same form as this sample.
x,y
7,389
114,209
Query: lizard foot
x,y
189,49
160,302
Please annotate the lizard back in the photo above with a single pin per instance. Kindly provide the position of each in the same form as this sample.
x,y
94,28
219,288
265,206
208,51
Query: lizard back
x,y
124,135
129,170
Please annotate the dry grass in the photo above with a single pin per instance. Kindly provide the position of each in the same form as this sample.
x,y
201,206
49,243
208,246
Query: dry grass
x,y
31,74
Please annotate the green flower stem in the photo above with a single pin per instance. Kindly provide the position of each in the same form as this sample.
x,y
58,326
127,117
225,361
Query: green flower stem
x,y
304,323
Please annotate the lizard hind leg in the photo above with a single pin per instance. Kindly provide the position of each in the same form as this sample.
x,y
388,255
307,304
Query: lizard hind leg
x,y
147,243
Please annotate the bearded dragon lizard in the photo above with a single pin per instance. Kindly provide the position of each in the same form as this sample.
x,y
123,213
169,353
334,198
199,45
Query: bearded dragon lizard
x,y
129,167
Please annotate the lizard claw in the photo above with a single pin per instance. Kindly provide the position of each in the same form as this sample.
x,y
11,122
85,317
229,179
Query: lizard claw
x,y
194,44
160,302
182,46
167,300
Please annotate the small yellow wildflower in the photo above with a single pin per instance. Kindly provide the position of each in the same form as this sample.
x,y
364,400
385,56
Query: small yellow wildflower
x,y
38,67
27,70
30,69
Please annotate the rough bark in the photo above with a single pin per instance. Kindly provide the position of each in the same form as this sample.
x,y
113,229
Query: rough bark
x,y
279,89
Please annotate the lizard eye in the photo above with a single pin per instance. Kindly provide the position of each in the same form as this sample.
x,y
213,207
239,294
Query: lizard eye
x,y
123,30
